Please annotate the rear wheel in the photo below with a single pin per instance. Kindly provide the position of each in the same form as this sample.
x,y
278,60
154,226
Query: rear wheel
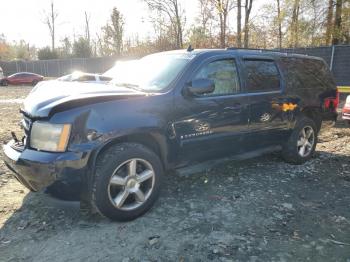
x,y
127,181
302,143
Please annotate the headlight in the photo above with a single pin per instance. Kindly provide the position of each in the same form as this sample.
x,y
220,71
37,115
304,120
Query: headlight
x,y
50,137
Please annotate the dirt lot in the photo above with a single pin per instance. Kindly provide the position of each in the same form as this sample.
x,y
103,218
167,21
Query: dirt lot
x,y
257,210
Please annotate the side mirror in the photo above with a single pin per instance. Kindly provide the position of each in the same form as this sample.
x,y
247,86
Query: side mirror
x,y
201,86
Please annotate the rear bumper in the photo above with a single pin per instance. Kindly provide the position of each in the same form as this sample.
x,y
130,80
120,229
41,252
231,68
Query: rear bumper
x,y
346,113
36,169
346,116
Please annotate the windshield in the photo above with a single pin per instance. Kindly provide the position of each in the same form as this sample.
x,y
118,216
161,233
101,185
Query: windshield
x,y
151,73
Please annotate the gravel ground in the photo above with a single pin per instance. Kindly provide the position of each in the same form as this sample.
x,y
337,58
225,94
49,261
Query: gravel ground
x,y
257,210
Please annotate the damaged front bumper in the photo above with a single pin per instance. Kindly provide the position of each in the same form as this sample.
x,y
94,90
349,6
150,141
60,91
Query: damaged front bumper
x,y
37,169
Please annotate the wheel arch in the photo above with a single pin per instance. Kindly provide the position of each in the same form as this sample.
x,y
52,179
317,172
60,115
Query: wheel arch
x,y
313,113
153,141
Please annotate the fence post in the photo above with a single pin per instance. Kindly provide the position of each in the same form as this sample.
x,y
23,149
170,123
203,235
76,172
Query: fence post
x,y
332,58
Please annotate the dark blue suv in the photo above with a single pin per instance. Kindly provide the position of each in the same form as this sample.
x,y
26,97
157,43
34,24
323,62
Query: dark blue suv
x,y
179,110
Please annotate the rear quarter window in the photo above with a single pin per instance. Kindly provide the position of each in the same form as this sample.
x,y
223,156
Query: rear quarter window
x,y
306,73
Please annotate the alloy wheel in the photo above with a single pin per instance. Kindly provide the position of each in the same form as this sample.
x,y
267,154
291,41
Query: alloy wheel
x,y
131,184
306,141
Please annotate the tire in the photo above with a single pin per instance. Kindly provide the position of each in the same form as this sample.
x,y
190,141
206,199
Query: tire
x,y
292,151
35,82
120,198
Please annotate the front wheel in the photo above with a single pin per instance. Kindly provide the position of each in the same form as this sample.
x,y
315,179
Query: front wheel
x,y
127,181
301,145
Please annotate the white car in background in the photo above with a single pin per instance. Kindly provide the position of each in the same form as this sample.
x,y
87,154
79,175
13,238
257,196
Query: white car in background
x,y
120,66
85,77
346,110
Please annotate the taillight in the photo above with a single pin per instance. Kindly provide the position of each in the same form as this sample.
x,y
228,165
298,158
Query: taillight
x,y
332,102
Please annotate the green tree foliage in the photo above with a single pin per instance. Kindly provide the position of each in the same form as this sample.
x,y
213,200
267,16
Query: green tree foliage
x,y
111,41
65,50
82,48
16,50
46,53
5,49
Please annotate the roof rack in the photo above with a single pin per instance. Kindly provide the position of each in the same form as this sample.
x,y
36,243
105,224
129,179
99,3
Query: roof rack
x,y
253,49
267,50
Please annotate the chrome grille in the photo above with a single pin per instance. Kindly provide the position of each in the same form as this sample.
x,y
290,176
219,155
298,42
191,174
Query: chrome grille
x,y
26,124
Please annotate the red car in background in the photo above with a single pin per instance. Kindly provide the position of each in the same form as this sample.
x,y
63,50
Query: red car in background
x,y
22,78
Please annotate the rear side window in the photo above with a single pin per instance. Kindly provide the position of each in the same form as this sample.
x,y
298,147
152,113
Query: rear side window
x,y
261,76
306,73
224,74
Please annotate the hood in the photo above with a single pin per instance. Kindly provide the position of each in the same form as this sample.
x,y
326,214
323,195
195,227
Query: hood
x,y
50,94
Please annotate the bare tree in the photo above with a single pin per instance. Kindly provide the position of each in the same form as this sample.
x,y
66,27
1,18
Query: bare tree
x,y
239,24
87,27
50,21
295,24
223,7
279,21
337,22
201,33
248,9
171,9
206,12
329,22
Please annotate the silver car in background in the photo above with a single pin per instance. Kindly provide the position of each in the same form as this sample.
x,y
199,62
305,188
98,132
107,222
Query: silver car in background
x,y
85,77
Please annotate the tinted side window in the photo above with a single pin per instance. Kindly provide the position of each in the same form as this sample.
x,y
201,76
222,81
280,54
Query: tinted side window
x,y
224,74
261,76
306,73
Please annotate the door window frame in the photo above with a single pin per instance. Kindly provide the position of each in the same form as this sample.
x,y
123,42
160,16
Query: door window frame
x,y
209,60
268,59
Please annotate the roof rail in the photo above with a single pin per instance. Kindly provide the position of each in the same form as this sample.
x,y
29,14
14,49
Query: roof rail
x,y
253,49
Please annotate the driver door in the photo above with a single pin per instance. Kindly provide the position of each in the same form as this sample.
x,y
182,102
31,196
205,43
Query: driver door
x,y
213,125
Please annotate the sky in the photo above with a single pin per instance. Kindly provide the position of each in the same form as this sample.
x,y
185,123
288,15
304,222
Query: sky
x,y
23,19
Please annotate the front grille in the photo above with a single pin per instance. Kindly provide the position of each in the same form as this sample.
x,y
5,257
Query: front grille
x,y
26,124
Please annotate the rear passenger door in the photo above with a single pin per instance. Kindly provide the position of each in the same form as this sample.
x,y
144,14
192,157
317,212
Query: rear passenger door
x,y
263,86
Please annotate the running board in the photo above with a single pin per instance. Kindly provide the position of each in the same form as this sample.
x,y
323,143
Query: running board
x,y
200,167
